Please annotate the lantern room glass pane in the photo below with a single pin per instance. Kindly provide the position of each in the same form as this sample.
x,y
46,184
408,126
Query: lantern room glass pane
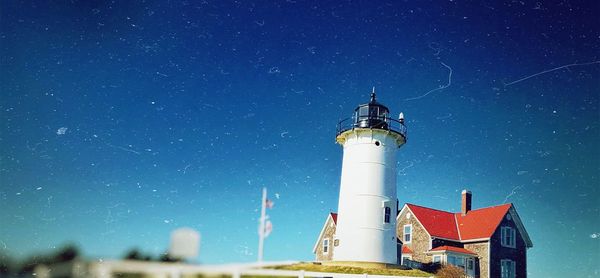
x,y
383,114
374,111
363,111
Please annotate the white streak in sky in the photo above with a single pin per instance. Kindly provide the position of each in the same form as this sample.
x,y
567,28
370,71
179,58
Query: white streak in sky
x,y
123,148
274,70
435,47
438,88
444,117
410,165
550,70
61,131
514,191
186,167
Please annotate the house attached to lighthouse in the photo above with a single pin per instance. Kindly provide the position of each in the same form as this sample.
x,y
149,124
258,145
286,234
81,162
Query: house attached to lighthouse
x,y
368,204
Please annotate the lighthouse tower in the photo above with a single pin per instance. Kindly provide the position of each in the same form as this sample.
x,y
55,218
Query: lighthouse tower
x,y
366,223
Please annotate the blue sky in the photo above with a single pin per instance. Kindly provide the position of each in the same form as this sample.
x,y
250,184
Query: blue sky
x,y
178,113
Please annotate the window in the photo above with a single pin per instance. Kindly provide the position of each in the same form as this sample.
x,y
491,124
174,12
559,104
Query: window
x,y
456,261
508,237
387,213
363,112
470,264
507,269
437,259
326,246
460,262
406,259
407,233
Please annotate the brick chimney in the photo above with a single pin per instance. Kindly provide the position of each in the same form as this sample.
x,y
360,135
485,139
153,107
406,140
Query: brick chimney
x,y
466,202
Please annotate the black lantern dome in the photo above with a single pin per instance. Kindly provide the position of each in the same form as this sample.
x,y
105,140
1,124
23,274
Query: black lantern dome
x,y
373,115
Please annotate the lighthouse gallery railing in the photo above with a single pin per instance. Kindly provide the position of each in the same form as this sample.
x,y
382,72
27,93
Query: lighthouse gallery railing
x,y
384,123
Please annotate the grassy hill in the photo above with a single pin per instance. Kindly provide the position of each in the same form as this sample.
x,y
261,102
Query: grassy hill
x,y
353,270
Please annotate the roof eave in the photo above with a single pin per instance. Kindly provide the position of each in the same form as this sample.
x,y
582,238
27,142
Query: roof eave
x,y
322,232
520,226
449,251
415,216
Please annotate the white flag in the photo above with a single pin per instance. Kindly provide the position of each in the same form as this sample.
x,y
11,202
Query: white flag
x,y
268,228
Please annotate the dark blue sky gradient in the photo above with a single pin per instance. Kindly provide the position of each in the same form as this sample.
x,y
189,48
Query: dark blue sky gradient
x,y
177,113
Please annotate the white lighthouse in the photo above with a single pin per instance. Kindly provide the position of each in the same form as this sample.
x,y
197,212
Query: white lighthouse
x,y
366,223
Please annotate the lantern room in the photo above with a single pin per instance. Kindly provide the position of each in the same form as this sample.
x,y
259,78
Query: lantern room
x,y
371,115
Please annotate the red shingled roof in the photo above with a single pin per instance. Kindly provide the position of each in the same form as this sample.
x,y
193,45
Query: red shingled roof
x,y
479,223
437,223
453,249
406,250
334,217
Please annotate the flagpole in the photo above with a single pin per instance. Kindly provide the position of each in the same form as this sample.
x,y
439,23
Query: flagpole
x,y
261,228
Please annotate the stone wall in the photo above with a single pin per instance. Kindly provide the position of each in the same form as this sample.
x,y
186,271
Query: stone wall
x,y
481,265
420,239
329,233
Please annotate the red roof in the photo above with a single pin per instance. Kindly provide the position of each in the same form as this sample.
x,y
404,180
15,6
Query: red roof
x,y
453,249
406,250
437,223
478,223
481,223
334,217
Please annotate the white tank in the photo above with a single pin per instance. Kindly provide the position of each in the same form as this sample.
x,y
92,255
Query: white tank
x,y
364,232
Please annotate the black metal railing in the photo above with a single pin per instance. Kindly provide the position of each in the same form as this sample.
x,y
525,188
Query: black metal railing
x,y
384,123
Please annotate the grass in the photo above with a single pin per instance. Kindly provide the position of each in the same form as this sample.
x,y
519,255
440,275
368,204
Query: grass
x,y
307,267
243,276
353,270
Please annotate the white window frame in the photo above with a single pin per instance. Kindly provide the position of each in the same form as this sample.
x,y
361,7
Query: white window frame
x,y
326,246
389,215
438,256
404,233
459,261
508,237
405,257
451,260
470,261
508,269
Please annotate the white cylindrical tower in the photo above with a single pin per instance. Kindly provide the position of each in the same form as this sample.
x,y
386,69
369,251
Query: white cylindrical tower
x,y
366,224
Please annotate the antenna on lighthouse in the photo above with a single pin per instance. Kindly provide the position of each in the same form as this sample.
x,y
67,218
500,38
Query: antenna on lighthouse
x,y
373,95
